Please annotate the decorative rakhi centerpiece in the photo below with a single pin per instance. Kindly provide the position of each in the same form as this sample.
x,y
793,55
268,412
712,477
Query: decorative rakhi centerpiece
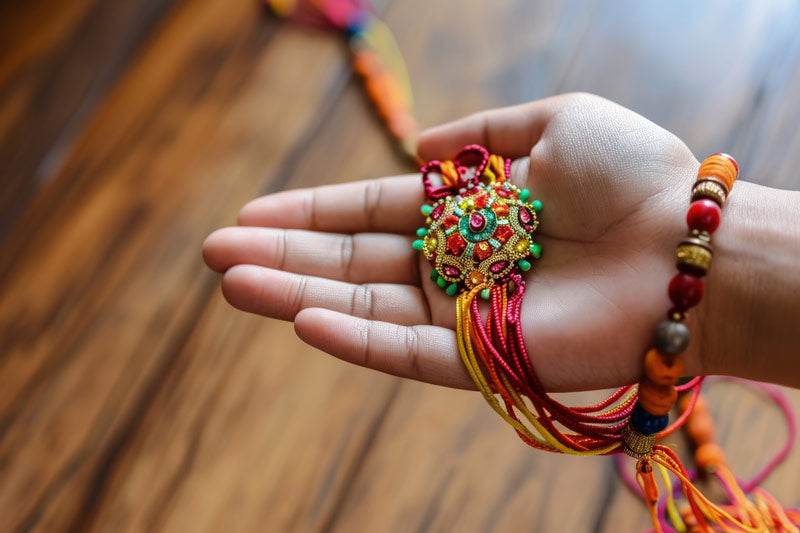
x,y
479,225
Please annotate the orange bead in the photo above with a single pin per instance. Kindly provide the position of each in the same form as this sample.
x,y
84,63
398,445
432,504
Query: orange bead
x,y
701,405
720,166
708,455
683,402
656,399
366,63
662,369
700,428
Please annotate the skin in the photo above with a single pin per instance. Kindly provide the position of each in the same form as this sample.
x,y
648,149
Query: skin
x,y
337,260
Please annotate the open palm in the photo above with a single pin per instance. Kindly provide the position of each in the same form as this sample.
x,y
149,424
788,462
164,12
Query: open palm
x,y
337,260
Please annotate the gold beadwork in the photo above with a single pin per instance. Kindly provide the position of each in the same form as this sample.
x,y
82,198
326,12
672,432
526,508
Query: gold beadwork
x,y
710,188
695,256
503,211
635,444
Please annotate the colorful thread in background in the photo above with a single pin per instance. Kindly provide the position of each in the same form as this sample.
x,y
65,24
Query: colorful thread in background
x,y
376,59
493,350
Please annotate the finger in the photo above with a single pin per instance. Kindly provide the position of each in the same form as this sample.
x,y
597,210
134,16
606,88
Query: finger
x,y
424,353
508,131
382,205
278,294
359,258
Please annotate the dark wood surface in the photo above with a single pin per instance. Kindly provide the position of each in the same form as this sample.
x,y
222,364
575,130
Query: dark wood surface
x,y
133,398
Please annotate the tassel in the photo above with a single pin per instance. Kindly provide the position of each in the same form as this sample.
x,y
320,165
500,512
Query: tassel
x,y
647,482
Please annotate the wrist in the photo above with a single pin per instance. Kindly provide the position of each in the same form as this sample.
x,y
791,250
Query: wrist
x,y
749,319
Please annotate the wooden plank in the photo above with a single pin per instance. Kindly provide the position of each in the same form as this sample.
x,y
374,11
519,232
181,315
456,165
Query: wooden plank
x,y
60,59
106,288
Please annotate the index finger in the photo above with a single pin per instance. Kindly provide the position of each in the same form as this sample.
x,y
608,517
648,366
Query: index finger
x,y
508,131
389,205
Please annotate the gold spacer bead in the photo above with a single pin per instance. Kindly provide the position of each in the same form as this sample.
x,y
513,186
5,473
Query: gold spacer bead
x,y
523,245
710,188
694,257
635,444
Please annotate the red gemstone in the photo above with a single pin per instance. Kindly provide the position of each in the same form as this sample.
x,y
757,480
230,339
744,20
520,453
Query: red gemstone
x,y
480,200
498,267
456,244
685,291
502,192
703,215
476,222
450,221
501,208
437,211
503,232
482,251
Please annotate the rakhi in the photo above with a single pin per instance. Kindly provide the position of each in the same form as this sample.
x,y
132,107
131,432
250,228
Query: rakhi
x,y
479,238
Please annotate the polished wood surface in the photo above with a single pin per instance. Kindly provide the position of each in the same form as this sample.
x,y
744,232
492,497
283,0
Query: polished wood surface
x,y
133,398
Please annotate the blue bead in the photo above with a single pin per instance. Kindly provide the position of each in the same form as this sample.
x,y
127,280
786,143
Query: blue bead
x,y
358,24
644,422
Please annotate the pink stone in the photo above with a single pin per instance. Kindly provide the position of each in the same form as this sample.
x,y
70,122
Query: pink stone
x,y
525,215
498,267
476,222
451,271
437,211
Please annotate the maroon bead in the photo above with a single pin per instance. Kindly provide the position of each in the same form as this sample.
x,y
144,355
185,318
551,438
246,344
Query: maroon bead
x,y
685,291
437,211
451,271
703,215
476,222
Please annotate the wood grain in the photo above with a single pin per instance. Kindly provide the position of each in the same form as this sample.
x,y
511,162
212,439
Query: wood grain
x,y
133,398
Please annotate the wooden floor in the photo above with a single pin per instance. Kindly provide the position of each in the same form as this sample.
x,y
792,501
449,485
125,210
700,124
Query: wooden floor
x,y
133,398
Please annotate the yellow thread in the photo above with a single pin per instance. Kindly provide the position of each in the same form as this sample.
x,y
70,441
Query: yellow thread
x,y
487,173
449,173
710,510
381,39
498,164
672,509
470,360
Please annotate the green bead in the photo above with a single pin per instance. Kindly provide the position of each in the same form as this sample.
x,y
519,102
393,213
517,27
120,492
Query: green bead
x,y
452,289
485,294
524,195
537,205
421,232
426,209
536,250
441,282
524,265
434,274
417,245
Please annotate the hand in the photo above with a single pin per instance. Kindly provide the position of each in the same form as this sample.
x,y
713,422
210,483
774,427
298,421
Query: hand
x,y
337,260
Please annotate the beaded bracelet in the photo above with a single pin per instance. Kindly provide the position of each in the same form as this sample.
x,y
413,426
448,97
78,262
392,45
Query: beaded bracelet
x,y
663,364
479,240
